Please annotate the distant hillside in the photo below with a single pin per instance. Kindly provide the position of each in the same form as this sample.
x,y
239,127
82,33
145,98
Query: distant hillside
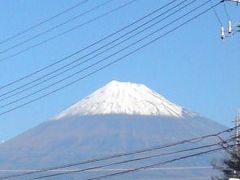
x,y
70,140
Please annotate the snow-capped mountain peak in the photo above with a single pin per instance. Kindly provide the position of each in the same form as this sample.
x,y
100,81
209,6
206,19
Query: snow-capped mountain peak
x,y
124,98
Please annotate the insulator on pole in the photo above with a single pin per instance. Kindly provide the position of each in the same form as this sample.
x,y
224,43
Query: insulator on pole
x,y
229,27
222,33
234,1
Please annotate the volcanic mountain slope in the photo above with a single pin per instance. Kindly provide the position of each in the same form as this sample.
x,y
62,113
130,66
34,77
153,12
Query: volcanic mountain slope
x,y
120,117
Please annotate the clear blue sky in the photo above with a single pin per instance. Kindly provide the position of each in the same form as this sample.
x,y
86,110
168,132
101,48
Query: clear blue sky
x,y
191,67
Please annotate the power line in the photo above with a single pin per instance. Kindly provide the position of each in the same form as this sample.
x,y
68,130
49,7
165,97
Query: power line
x,y
43,22
217,16
56,26
102,60
157,164
109,64
109,169
96,50
226,11
192,140
130,160
64,32
89,46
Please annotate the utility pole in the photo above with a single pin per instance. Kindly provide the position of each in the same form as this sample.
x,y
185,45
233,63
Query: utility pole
x,y
232,28
237,140
237,123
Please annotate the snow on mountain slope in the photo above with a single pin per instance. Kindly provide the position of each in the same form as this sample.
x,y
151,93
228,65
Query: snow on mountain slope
x,y
124,98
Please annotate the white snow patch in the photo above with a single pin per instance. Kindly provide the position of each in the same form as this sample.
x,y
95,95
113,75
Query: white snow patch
x,y
124,98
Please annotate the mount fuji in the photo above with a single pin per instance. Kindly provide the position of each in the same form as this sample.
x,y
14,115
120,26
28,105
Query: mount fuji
x,y
117,118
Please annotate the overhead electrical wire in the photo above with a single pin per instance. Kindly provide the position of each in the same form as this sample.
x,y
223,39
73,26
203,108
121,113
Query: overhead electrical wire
x,y
84,48
157,164
67,31
91,52
57,26
217,16
132,160
226,11
42,22
109,64
136,41
192,140
102,60
146,150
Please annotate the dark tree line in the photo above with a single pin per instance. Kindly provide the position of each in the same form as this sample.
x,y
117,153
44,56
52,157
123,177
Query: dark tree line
x,y
230,165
